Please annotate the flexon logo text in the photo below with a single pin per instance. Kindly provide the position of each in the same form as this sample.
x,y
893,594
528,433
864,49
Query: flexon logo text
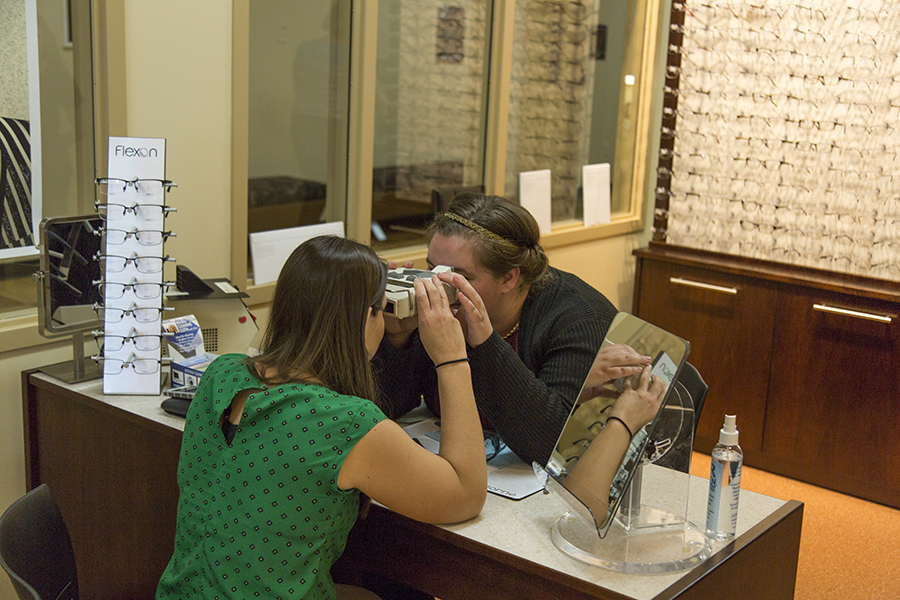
x,y
136,152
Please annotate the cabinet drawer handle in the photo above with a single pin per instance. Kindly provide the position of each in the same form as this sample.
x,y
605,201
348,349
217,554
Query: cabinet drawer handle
x,y
701,285
852,313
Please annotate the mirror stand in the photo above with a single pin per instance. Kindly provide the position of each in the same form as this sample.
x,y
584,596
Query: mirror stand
x,y
650,533
79,369
645,538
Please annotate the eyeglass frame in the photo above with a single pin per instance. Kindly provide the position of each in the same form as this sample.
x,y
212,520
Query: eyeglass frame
x,y
132,310
128,362
133,259
133,284
165,184
131,337
133,208
135,232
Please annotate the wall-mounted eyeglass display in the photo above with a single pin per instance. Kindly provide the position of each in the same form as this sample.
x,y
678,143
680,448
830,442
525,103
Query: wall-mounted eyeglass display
x,y
112,263
140,341
114,366
112,186
144,237
112,212
113,290
141,314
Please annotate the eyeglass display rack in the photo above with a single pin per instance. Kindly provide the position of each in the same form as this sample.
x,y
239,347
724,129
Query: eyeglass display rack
x,y
132,204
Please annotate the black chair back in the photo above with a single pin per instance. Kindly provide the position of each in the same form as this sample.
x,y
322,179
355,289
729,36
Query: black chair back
x,y
689,384
35,548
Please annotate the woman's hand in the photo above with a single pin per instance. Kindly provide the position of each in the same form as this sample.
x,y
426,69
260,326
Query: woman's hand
x,y
637,406
439,330
612,362
615,361
472,314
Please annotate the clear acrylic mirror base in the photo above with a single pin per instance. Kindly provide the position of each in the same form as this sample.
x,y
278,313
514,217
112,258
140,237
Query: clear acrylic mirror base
x,y
643,547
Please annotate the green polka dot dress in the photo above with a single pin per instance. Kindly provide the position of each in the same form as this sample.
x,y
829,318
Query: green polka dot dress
x,y
263,517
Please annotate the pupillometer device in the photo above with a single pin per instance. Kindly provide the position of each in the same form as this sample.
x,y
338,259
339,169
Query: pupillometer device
x,y
401,293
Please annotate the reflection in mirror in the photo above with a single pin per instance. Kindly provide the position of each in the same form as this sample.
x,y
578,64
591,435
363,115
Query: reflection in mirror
x,y
68,285
584,473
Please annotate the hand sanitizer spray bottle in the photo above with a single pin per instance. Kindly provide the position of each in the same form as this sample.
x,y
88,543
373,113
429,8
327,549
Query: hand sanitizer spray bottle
x,y
724,483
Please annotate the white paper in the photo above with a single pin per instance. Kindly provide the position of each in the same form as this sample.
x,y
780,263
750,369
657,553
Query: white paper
x,y
534,195
595,183
507,474
270,249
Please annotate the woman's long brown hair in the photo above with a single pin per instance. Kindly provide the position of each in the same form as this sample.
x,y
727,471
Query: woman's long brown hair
x,y
317,322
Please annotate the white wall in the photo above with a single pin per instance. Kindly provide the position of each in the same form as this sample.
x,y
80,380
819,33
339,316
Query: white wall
x,y
178,65
13,60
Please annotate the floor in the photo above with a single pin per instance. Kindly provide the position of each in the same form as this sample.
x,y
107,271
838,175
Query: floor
x,y
848,547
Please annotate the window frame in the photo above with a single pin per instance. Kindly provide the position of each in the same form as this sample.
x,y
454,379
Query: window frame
x,y
360,143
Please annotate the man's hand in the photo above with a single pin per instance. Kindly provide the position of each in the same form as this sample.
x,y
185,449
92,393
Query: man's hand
x,y
472,315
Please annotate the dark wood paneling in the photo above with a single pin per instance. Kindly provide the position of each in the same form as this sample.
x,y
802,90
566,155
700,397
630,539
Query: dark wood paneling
x,y
730,337
113,474
114,481
454,568
828,384
834,398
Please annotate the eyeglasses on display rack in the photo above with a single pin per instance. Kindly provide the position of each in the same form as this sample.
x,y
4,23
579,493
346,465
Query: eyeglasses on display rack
x,y
113,186
140,341
112,290
144,237
114,366
141,314
112,263
111,212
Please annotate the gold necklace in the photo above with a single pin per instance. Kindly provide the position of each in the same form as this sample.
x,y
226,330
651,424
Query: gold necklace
x,y
512,331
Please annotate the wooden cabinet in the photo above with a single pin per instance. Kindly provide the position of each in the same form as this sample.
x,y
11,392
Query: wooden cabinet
x,y
809,361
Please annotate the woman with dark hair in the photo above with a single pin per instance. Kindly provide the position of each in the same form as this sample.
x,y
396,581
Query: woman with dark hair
x,y
278,447
532,339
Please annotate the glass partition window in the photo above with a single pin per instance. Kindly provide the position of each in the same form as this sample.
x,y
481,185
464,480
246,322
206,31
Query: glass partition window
x,y
298,113
434,98
46,103
430,103
572,101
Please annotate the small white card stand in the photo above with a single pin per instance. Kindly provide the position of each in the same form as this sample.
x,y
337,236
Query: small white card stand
x,y
595,183
129,159
534,195
269,249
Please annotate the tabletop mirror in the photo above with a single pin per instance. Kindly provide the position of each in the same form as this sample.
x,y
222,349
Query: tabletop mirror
x,y
607,523
594,505
67,290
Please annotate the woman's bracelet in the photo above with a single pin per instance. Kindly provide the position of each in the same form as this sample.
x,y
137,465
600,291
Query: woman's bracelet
x,y
450,362
624,424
